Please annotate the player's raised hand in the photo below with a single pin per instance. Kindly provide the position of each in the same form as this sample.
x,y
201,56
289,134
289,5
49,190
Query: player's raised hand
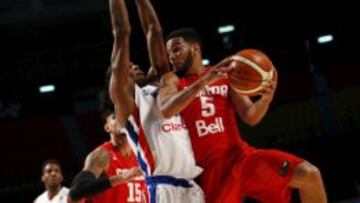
x,y
219,71
268,91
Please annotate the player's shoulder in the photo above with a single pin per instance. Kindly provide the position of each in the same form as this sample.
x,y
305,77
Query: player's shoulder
x,y
41,198
169,74
104,146
102,152
64,190
170,77
63,193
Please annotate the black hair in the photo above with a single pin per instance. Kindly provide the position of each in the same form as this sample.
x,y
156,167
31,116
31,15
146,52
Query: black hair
x,y
50,161
189,35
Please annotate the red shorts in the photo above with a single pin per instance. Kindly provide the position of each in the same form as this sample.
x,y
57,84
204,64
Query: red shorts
x,y
263,175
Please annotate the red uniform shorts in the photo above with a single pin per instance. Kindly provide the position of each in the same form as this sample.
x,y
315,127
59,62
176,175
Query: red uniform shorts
x,y
261,174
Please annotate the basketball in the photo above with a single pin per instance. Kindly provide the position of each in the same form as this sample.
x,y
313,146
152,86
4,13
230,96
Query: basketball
x,y
251,71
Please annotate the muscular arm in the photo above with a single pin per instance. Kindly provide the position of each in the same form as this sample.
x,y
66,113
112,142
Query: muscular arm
x,y
97,162
251,112
154,38
171,101
121,85
92,179
88,181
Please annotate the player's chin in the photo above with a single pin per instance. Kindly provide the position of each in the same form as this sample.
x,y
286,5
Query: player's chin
x,y
54,182
140,77
120,135
180,67
176,65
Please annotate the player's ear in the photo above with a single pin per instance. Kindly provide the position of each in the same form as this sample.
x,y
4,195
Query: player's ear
x,y
107,128
61,177
43,178
195,48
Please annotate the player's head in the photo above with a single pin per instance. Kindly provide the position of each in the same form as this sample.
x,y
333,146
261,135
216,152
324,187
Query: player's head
x,y
135,72
52,175
117,134
183,47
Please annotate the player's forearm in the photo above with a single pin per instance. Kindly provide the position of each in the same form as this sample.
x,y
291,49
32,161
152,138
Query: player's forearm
x,y
178,102
86,184
257,111
116,180
154,37
119,19
120,58
148,17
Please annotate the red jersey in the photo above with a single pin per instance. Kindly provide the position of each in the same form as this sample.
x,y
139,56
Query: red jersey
x,y
210,119
133,191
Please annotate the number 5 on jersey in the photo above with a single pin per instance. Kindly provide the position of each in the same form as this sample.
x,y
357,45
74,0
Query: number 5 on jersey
x,y
207,106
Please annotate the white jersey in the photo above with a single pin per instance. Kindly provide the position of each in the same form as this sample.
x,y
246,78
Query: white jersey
x,y
163,148
60,197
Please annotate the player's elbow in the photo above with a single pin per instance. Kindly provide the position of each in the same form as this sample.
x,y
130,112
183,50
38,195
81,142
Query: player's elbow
x,y
155,28
122,33
251,121
165,113
154,32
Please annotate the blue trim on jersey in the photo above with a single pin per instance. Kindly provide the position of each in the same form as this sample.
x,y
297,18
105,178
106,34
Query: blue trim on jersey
x,y
135,138
154,181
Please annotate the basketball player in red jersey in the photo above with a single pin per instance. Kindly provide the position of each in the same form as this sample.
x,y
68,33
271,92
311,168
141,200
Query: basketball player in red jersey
x,y
232,169
110,173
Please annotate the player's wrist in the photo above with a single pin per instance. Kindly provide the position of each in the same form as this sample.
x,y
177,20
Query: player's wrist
x,y
115,180
267,99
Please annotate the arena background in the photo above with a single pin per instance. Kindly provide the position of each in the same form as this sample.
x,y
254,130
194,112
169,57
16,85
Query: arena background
x,y
67,43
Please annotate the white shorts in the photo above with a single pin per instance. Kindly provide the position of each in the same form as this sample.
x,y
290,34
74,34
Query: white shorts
x,y
176,193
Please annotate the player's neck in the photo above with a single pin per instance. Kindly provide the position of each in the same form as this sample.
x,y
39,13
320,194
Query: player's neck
x,y
124,149
196,68
53,191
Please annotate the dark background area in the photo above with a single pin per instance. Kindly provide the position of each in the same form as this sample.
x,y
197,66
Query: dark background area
x,y
315,113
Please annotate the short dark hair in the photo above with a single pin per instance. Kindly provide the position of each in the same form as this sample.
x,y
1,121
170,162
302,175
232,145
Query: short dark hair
x,y
189,35
106,112
50,161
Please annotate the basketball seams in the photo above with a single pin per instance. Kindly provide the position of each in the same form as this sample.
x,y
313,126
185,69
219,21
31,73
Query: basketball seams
x,y
253,59
264,74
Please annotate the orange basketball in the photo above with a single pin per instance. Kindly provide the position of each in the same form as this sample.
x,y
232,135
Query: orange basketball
x,y
251,71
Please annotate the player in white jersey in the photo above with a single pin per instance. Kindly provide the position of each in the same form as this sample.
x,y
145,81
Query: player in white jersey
x,y
52,178
162,146
164,151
